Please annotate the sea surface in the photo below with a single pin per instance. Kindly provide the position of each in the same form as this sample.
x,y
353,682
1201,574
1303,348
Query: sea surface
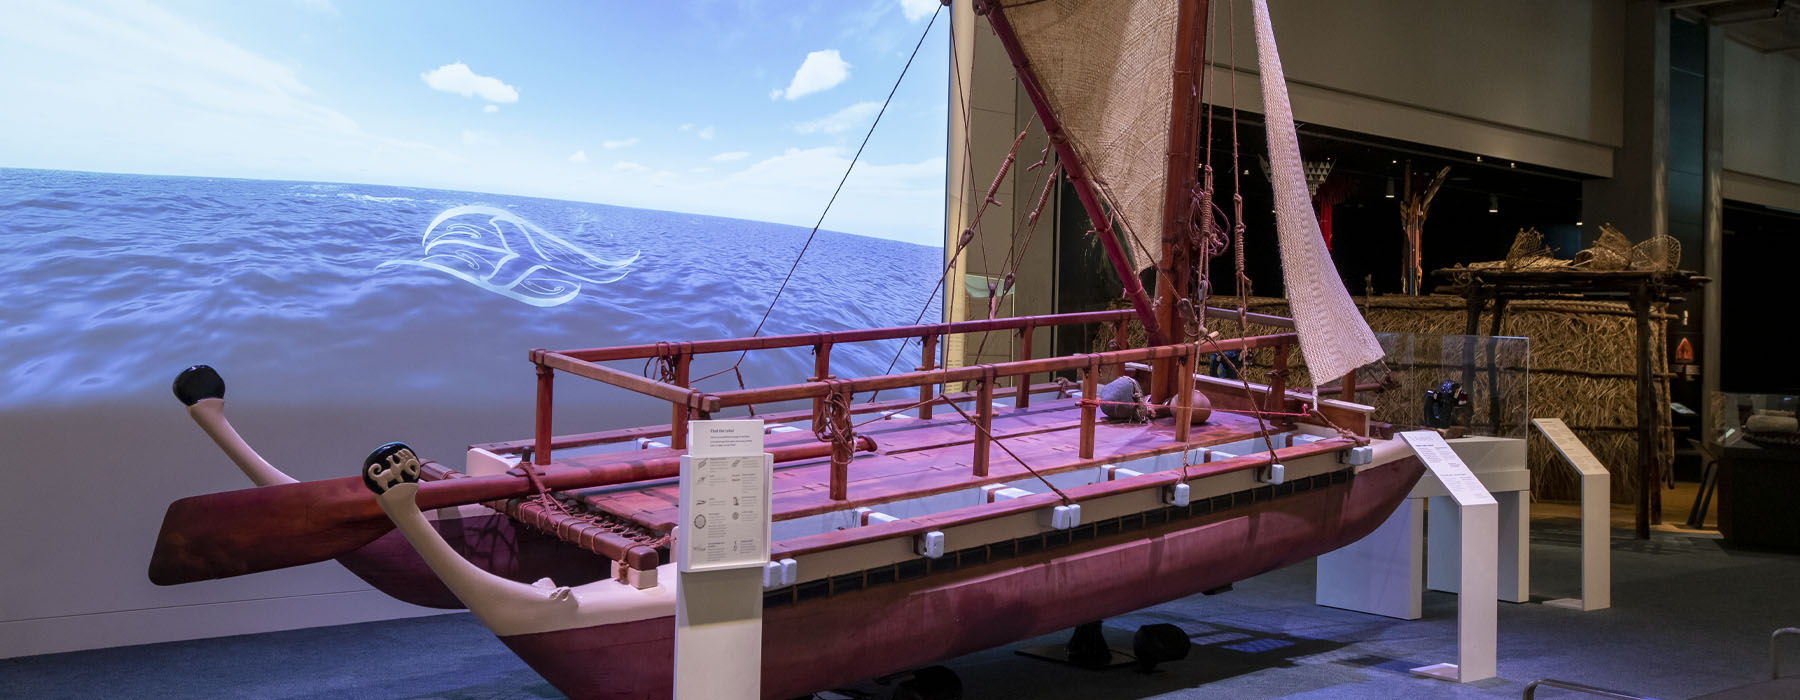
x,y
355,300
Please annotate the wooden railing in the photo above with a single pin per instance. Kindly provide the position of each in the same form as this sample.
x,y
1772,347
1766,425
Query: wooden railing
x,y
688,403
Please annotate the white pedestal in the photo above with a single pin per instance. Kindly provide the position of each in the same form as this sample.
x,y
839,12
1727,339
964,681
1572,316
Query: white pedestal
x,y
1387,572
718,634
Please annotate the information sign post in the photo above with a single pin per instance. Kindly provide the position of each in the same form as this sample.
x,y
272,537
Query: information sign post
x,y
721,547
1476,610
1596,517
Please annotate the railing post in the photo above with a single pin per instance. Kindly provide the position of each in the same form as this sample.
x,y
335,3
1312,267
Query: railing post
x,y
927,362
678,414
1090,391
1120,340
1277,399
1184,392
841,450
1023,399
821,370
546,377
1349,390
984,421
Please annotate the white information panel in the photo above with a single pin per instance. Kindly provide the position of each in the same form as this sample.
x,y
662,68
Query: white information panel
x,y
1449,468
1571,447
724,511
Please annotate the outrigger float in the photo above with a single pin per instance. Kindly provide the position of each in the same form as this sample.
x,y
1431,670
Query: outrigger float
x,y
906,531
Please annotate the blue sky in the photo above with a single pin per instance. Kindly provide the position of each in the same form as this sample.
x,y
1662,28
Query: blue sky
x,y
729,107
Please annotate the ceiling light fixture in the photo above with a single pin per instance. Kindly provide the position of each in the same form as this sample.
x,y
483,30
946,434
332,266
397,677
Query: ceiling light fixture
x,y
1493,204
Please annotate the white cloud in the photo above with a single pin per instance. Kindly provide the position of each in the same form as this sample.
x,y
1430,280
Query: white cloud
x,y
198,104
705,133
617,144
471,137
731,155
841,120
701,169
458,79
626,166
918,9
578,157
323,7
490,109
686,127
822,70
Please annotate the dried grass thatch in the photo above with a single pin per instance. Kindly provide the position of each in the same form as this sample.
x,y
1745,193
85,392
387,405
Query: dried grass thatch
x,y
1582,369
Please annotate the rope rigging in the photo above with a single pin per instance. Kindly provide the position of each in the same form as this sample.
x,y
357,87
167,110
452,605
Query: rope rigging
x,y
834,195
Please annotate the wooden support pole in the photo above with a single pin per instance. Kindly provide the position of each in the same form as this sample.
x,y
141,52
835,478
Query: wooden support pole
x,y
927,362
1090,391
984,418
1493,368
1121,341
841,450
1349,388
546,378
678,415
1023,398
1277,398
1184,393
1646,409
821,371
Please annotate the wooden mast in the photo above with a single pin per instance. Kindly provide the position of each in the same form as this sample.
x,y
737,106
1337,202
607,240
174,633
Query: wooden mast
x,y
1073,169
1173,274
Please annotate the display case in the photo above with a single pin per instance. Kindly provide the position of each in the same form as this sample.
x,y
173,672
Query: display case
x,y
1756,438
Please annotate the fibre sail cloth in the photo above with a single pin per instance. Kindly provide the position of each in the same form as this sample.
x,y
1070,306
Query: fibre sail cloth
x,y
1333,336
1106,67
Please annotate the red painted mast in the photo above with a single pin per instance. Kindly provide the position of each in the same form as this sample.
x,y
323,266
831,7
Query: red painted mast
x,y
1073,169
1173,274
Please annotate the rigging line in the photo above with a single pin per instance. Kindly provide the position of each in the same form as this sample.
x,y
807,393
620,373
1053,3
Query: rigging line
x,y
1012,266
1003,448
834,193
1237,189
1248,394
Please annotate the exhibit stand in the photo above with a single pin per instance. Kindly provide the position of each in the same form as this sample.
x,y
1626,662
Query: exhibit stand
x,y
1386,572
722,549
1596,517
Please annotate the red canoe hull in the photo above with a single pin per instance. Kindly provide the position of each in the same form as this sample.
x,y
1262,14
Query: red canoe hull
x,y
833,641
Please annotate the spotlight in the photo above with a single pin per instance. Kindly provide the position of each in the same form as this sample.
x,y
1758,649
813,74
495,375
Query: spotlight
x,y
1478,159
1493,204
1577,223
1390,188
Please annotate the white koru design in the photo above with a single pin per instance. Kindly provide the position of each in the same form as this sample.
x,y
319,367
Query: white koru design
x,y
498,251
401,466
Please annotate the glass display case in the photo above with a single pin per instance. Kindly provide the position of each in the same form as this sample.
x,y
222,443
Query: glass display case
x,y
1463,385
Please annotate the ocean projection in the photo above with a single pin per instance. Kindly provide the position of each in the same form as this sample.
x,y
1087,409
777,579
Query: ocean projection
x,y
500,252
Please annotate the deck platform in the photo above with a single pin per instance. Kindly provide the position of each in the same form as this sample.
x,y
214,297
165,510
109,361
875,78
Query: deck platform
x,y
917,458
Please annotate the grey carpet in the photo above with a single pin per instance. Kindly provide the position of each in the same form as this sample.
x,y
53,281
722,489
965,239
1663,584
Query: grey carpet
x,y
1689,617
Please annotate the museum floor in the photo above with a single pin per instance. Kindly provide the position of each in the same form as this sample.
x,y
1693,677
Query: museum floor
x,y
1689,617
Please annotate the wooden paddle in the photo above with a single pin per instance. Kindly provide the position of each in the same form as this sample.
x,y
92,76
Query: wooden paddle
x,y
233,533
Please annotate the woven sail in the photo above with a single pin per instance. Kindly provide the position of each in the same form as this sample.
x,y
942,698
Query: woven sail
x,y
1333,336
1105,66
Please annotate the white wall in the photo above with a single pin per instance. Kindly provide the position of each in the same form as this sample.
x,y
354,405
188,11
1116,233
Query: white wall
x,y
1538,81
1762,127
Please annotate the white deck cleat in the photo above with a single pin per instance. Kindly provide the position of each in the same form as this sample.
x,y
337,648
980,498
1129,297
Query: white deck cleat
x,y
930,544
1178,495
1274,474
1358,456
1061,517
